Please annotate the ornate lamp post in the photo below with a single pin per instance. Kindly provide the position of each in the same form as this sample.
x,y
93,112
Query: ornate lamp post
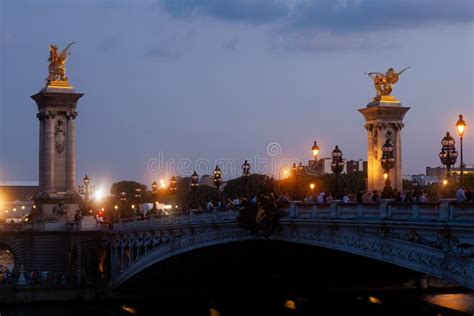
x,y
138,195
313,165
315,150
194,185
448,154
461,126
388,162
154,190
218,181
337,166
123,201
246,176
86,189
173,184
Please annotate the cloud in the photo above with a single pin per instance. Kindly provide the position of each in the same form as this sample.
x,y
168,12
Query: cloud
x,y
161,52
370,15
248,11
231,44
321,25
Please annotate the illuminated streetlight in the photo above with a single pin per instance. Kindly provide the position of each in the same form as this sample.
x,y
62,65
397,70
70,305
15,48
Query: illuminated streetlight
x,y
163,184
445,182
461,126
315,150
217,180
173,184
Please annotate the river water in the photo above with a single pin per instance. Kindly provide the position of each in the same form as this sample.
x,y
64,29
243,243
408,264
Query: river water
x,y
375,303
267,278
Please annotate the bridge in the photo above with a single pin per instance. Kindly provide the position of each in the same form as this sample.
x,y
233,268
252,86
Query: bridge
x,y
436,239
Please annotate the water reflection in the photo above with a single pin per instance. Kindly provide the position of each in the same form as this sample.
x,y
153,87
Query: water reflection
x,y
128,309
461,302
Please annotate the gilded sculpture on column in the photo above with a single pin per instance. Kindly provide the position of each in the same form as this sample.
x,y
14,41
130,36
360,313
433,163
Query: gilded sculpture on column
x,y
383,84
57,66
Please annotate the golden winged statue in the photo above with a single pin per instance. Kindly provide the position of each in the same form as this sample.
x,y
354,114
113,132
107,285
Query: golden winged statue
x,y
383,82
57,65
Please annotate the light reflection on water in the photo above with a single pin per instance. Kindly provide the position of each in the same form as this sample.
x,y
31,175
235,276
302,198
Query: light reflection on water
x,y
460,302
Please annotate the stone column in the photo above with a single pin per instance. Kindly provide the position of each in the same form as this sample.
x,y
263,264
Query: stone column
x,y
71,154
123,259
112,261
383,121
40,117
48,160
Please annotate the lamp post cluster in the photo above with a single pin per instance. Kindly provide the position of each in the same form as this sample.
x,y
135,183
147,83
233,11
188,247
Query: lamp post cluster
x,y
448,154
297,171
86,189
194,185
337,166
138,196
388,162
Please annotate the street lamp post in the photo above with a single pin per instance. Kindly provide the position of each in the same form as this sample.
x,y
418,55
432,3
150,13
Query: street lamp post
x,y
388,162
123,201
194,185
138,195
173,184
337,166
217,182
315,149
246,176
154,190
448,154
86,189
461,126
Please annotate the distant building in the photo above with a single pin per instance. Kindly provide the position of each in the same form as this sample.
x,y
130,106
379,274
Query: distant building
x,y
323,166
424,180
16,198
440,172
356,165
207,180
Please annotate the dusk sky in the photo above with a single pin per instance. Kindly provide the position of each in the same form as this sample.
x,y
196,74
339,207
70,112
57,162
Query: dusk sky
x,y
210,79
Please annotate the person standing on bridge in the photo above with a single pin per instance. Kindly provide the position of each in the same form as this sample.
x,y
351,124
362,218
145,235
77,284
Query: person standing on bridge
x,y
460,195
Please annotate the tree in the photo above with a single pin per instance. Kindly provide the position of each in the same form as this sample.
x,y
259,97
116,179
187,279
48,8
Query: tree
x,y
129,188
257,184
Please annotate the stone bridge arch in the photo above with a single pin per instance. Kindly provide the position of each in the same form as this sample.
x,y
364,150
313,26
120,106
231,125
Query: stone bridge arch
x,y
14,245
400,251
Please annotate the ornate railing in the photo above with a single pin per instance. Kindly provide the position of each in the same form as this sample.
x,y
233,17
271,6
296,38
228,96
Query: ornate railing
x,y
447,211
385,210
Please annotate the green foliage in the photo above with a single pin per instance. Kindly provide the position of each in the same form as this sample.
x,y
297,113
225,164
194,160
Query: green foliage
x,y
257,184
184,194
128,187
